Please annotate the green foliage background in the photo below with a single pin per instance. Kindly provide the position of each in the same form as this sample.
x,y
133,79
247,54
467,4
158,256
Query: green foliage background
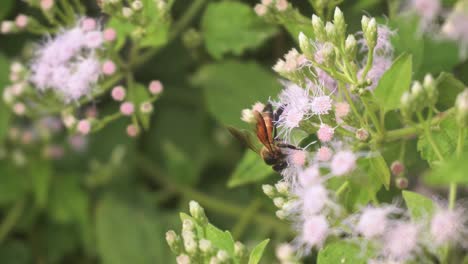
x,y
114,202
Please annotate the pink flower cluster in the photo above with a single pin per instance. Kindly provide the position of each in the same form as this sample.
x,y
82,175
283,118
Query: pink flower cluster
x,y
68,64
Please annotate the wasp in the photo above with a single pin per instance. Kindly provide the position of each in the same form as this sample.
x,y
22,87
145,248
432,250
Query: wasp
x,y
272,151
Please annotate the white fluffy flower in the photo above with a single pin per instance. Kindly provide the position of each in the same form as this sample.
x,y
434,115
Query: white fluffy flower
x,y
67,63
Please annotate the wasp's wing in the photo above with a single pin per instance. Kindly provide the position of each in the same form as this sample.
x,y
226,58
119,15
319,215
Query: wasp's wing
x,y
244,137
262,131
268,119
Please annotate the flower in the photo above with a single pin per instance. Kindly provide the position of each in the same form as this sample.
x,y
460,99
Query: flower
x,y
84,127
21,21
68,64
109,34
108,68
155,87
448,226
118,93
127,108
314,198
401,240
343,162
325,133
426,9
47,4
132,130
341,109
324,153
297,157
260,9
373,221
309,176
321,105
315,230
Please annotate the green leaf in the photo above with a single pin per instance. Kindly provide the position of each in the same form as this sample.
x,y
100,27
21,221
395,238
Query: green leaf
x,y
445,137
7,5
394,83
450,171
449,87
123,28
68,202
408,38
41,174
257,252
250,168
380,168
419,206
233,27
220,239
5,113
182,168
14,183
232,86
439,55
15,252
342,252
128,232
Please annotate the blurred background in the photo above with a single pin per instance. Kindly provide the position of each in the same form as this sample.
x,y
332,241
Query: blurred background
x,y
110,198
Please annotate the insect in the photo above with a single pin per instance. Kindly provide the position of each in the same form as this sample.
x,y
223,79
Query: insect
x,y
272,151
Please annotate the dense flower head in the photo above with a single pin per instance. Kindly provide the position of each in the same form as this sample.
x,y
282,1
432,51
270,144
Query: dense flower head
x,y
315,231
428,10
343,162
68,63
400,242
449,226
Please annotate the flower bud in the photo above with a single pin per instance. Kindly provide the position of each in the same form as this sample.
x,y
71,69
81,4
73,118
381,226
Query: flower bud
x,y
187,225
281,214
362,134
190,246
284,252
137,5
306,48
269,190
328,52
364,23
330,30
371,33
173,240
401,183
239,250
222,256
205,245
247,116
198,213
319,28
351,46
183,259
397,168
431,89
340,24
282,188
127,12
417,89
278,202
214,260
461,108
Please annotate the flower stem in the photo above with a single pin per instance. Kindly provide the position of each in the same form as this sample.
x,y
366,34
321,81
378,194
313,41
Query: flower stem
x,y
245,218
11,218
428,134
215,204
342,188
459,150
